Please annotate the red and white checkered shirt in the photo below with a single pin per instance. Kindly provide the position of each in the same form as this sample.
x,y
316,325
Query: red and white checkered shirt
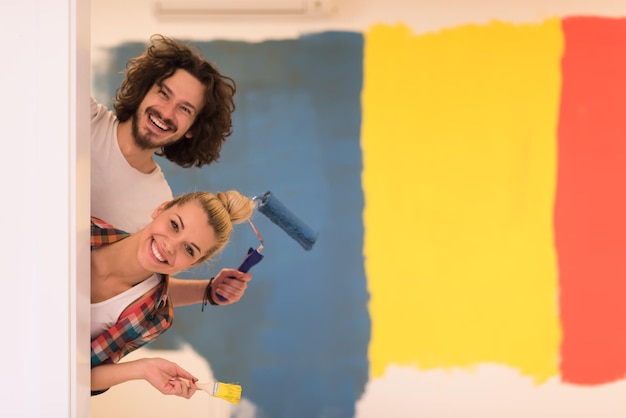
x,y
141,322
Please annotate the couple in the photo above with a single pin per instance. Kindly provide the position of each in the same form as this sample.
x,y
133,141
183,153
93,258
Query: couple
x,y
172,103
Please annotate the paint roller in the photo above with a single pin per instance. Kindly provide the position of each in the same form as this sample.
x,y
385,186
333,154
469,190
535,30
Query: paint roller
x,y
278,213
270,206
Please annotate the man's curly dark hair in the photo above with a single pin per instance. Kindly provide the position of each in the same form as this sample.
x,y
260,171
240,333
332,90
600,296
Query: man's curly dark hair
x,y
213,123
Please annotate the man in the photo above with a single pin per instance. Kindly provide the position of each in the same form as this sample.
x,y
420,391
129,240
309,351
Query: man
x,y
175,104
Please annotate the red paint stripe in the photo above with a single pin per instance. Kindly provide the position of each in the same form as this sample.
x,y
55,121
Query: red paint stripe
x,y
590,212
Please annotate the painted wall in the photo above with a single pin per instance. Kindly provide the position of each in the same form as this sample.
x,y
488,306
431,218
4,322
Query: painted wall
x,y
461,166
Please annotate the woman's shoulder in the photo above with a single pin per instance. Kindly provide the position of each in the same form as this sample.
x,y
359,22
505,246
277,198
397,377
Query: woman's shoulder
x,y
99,223
103,233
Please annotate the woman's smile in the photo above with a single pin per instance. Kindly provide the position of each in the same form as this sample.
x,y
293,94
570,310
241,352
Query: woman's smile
x,y
157,253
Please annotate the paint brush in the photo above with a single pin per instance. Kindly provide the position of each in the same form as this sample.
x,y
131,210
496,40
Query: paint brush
x,y
230,392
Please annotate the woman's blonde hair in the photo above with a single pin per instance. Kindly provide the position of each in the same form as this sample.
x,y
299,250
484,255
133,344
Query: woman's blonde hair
x,y
223,210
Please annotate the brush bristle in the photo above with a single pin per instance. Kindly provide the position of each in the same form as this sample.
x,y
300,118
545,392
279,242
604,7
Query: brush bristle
x,y
228,391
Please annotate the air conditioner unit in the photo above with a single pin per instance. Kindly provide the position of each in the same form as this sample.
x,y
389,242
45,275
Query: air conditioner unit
x,y
173,8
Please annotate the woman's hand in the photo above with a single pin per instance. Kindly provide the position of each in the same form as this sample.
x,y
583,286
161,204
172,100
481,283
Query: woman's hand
x,y
231,284
169,378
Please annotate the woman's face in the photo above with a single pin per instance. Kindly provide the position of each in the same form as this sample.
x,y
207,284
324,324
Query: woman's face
x,y
175,239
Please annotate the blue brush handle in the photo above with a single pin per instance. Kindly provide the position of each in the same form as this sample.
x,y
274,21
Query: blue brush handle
x,y
252,259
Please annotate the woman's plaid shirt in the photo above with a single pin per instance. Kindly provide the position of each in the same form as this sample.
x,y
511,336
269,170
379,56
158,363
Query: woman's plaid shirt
x,y
141,322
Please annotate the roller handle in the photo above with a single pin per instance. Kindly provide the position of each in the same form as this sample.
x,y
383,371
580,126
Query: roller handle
x,y
252,259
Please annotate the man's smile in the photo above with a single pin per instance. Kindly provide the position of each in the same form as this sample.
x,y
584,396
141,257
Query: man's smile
x,y
158,122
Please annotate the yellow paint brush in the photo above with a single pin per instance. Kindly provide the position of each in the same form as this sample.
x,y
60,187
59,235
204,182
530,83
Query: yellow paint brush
x,y
230,392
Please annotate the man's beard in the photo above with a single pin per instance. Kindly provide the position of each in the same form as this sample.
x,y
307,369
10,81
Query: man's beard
x,y
145,141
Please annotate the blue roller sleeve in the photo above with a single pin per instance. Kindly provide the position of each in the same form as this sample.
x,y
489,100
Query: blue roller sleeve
x,y
252,259
280,215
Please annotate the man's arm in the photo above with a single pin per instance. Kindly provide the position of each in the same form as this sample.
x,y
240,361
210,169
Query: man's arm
x,y
229,283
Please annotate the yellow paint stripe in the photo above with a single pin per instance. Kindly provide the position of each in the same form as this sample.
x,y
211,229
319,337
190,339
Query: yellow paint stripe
x,y
459,148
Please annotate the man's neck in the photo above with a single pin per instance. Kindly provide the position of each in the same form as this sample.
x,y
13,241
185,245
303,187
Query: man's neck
x,y
140,159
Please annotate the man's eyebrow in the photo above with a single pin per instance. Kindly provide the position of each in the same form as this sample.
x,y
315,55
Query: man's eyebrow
x,y
171,93
165,87
182,226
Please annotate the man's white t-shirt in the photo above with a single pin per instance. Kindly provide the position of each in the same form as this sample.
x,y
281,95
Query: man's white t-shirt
x,y
120,195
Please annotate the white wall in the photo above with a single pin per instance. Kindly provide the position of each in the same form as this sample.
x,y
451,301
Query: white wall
x,y
45,75
136,20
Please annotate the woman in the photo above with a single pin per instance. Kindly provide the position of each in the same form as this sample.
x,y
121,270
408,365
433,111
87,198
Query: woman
x,y
132,295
